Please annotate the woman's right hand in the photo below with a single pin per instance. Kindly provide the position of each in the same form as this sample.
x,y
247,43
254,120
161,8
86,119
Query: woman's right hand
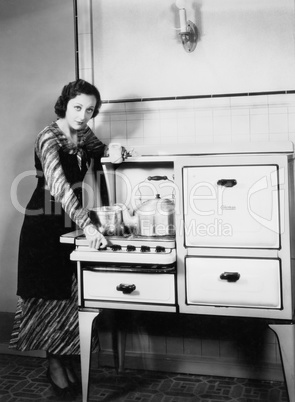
x,y
94,237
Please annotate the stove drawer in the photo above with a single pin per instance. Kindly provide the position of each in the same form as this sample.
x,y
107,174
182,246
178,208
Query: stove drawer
x,y
149,288
231,206
236,282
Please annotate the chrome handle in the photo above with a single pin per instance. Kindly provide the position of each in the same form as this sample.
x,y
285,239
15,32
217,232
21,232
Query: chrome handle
x,y
230,276
227,182
125,288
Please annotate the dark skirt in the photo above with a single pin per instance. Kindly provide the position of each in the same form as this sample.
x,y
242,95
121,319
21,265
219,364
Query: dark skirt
x,y
49,325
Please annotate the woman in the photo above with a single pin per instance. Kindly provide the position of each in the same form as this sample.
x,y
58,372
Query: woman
x,y
46,316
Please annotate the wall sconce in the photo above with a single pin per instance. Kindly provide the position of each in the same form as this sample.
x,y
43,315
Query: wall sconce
x,y
188,30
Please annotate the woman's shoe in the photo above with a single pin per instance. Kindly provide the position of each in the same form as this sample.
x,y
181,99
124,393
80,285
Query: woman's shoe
x,y
63,393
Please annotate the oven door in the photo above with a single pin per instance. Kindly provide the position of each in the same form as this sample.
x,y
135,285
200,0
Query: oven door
x,y
231,206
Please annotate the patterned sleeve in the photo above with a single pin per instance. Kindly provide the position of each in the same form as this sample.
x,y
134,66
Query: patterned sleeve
x,y
47,149
93,145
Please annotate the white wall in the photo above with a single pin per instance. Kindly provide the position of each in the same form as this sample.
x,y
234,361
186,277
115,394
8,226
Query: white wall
x,y
37,59
244,46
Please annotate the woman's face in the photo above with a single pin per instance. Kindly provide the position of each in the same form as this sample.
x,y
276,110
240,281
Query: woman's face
x,y
79,111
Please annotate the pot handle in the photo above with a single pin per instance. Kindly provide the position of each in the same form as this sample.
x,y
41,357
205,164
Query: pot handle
x,y
157,178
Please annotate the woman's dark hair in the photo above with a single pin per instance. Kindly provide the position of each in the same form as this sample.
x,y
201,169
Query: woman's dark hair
x,y
73,89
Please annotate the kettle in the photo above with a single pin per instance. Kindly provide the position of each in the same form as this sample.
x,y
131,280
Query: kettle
x,y
155,217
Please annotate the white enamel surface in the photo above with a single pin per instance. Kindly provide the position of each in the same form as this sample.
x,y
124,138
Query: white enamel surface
x,y
150,288
245,215
258,286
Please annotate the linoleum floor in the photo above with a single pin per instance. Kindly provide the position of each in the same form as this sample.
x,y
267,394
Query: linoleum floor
x,y
23,379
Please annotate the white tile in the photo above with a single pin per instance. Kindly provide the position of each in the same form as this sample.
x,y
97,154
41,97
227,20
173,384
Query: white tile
x,y
204,139
152,115
278,123
259,123
240,111
151,128
118,129
259,109
279,137
221,102
183,104
204,124
118,117
291,136
104,130
134,128
186,126
241,138
239,101
168,128
221,112
222,138
222,125
168,140
134,116
259,137
186,140
259,100
240,125
135,141
151,140
291,122
202,103
281,99
277,109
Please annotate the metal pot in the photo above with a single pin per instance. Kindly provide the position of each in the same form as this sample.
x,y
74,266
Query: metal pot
x,y
108,219
154,217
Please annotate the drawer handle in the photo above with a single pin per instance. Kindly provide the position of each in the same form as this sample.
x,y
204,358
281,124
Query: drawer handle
x,y
227,182
126,289
230,276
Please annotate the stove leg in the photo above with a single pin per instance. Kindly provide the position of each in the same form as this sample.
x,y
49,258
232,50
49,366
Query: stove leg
x,y
85,328
286,337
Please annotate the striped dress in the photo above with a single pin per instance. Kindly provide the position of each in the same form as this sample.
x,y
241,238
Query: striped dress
x,y
47,315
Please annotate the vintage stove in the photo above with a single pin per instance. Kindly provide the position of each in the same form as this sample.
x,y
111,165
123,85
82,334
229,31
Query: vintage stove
x,y
132,272
233,253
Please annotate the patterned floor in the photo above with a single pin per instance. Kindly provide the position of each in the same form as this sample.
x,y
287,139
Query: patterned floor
x,y
22,379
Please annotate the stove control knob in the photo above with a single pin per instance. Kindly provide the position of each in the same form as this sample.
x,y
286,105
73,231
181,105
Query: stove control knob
x,y
145,249
116,247
130,247
160,249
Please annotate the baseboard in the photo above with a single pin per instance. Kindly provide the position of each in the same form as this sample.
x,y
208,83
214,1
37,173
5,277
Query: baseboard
x,y
4,350
193,365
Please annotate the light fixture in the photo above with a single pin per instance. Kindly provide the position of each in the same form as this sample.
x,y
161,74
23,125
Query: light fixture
x,y
188,30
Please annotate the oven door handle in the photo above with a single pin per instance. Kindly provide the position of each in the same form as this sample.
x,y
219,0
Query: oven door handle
x,y
230,276
227,182
125,288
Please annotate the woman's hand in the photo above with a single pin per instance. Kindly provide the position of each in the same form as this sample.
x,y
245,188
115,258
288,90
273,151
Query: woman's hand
x,y
94,237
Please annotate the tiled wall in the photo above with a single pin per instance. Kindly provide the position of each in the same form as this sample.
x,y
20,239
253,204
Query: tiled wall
x,y
202,120
206,120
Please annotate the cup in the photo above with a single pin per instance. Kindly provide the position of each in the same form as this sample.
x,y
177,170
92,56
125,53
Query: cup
x,y
115,152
